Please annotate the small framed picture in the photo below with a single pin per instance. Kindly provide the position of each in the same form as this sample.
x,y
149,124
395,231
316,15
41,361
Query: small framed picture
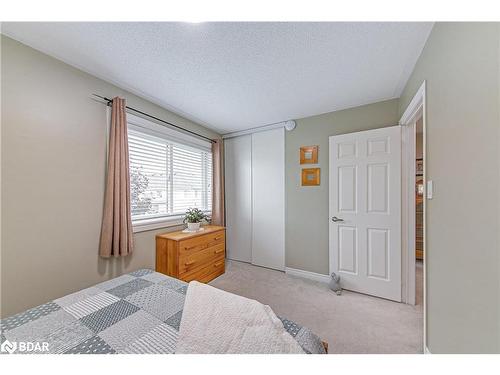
x,y
419,167
310,176
309,155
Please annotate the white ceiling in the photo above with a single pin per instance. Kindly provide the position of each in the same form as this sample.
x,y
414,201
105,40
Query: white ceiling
x,y
235,76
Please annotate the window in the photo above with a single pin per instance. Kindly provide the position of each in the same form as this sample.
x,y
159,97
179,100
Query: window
x,y
169,172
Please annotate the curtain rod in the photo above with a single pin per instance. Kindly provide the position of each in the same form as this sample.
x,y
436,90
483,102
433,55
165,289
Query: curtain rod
x,y
158,119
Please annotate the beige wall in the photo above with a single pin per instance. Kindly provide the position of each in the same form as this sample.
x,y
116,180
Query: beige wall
x,y
53,166
460,64
307,207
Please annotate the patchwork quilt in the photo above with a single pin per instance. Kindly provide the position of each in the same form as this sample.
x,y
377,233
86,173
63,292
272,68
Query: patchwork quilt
x,y
139,312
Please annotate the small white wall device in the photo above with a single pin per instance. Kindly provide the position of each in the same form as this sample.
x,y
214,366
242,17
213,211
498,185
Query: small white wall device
x,y
430,189
290,125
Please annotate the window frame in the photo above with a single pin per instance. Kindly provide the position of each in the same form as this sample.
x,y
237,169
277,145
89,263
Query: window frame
x,y
150,127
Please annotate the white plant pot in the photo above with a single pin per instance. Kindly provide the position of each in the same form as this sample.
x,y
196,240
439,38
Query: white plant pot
x,y
193,227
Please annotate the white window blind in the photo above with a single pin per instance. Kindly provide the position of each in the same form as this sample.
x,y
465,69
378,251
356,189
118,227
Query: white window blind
x,y
167,177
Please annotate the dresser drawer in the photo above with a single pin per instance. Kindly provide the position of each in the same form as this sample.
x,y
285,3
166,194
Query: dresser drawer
x,y
192,256
188,262
193,245
205,273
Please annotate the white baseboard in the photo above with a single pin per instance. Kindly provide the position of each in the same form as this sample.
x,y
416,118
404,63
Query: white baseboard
x,y
307,275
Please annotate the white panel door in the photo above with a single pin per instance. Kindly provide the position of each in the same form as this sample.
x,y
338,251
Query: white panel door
x,y
365,211
268,196
238,185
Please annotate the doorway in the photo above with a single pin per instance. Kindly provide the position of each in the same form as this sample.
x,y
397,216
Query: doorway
x,y
419,211
416,191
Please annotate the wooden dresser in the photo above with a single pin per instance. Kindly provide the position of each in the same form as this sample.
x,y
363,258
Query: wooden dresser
x,y
192,256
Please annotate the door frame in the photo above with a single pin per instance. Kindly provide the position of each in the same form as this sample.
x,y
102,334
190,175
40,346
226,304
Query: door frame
x,y
408,211
414,110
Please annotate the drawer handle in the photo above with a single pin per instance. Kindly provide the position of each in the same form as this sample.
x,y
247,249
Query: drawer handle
x,y
218,264
189,263
217,238
200,247
218,251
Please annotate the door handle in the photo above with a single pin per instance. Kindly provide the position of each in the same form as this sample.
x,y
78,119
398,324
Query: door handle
x,y
335,219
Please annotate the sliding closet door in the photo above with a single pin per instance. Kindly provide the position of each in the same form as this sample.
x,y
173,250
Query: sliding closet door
x,y
238,185
268,199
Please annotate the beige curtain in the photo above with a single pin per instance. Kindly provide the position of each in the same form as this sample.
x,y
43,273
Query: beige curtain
x,y
116,229
218,215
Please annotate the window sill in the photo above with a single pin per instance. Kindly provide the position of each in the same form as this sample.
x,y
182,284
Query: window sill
x,y
157,223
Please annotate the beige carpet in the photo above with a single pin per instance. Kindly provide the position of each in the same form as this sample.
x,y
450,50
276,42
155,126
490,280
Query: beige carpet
x,y
350,323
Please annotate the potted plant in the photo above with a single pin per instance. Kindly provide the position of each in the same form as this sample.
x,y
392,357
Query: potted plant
x,y
193,218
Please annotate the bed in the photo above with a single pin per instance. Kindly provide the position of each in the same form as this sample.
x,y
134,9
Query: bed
x,y
139,312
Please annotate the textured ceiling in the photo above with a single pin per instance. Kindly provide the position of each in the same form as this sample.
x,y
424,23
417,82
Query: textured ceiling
x,y
235,76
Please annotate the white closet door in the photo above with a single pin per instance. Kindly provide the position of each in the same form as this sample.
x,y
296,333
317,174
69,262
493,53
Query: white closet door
x,y
238,191
268,199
